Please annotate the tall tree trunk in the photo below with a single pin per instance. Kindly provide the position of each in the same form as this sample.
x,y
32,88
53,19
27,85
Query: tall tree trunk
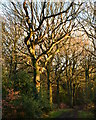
x,y
10,72
58,100
71,93
36,73
50,95
36,77
48,83
57,82
86,80
68,88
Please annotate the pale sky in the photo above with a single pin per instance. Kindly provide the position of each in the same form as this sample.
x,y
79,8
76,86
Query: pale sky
x,y
5,1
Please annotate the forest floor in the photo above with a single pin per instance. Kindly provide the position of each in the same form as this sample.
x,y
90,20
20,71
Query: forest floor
x,y
70,113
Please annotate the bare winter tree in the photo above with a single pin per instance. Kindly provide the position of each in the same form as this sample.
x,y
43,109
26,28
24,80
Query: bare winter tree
x,y
38,29
46,24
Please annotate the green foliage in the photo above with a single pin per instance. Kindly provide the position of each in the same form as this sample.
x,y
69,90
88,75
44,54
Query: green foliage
x,y
26,104
31,107
6,84
22,81
44,102
94,101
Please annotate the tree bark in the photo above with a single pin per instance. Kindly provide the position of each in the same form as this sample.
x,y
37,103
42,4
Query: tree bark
x,y
71,93
36,77
58,100
48,83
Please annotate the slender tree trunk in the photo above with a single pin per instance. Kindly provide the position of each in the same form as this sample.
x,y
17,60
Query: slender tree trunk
x,y
10,72
48,83
15,63
68,82
50,95
37,78
71,93
68,88
57,82
86,80
58,100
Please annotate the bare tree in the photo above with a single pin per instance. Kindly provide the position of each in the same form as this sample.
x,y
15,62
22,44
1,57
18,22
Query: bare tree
x,y
46,25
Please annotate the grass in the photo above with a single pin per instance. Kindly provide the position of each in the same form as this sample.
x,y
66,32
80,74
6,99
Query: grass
x,y
85,114
57,113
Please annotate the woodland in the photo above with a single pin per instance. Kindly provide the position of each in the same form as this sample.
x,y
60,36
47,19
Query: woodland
x,y
48,59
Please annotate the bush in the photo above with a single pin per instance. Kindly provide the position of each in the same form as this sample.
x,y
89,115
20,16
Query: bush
x,y
24,106
44,102
22,81
31,107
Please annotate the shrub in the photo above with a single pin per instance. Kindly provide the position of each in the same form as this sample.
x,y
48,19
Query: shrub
x,y
24,105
